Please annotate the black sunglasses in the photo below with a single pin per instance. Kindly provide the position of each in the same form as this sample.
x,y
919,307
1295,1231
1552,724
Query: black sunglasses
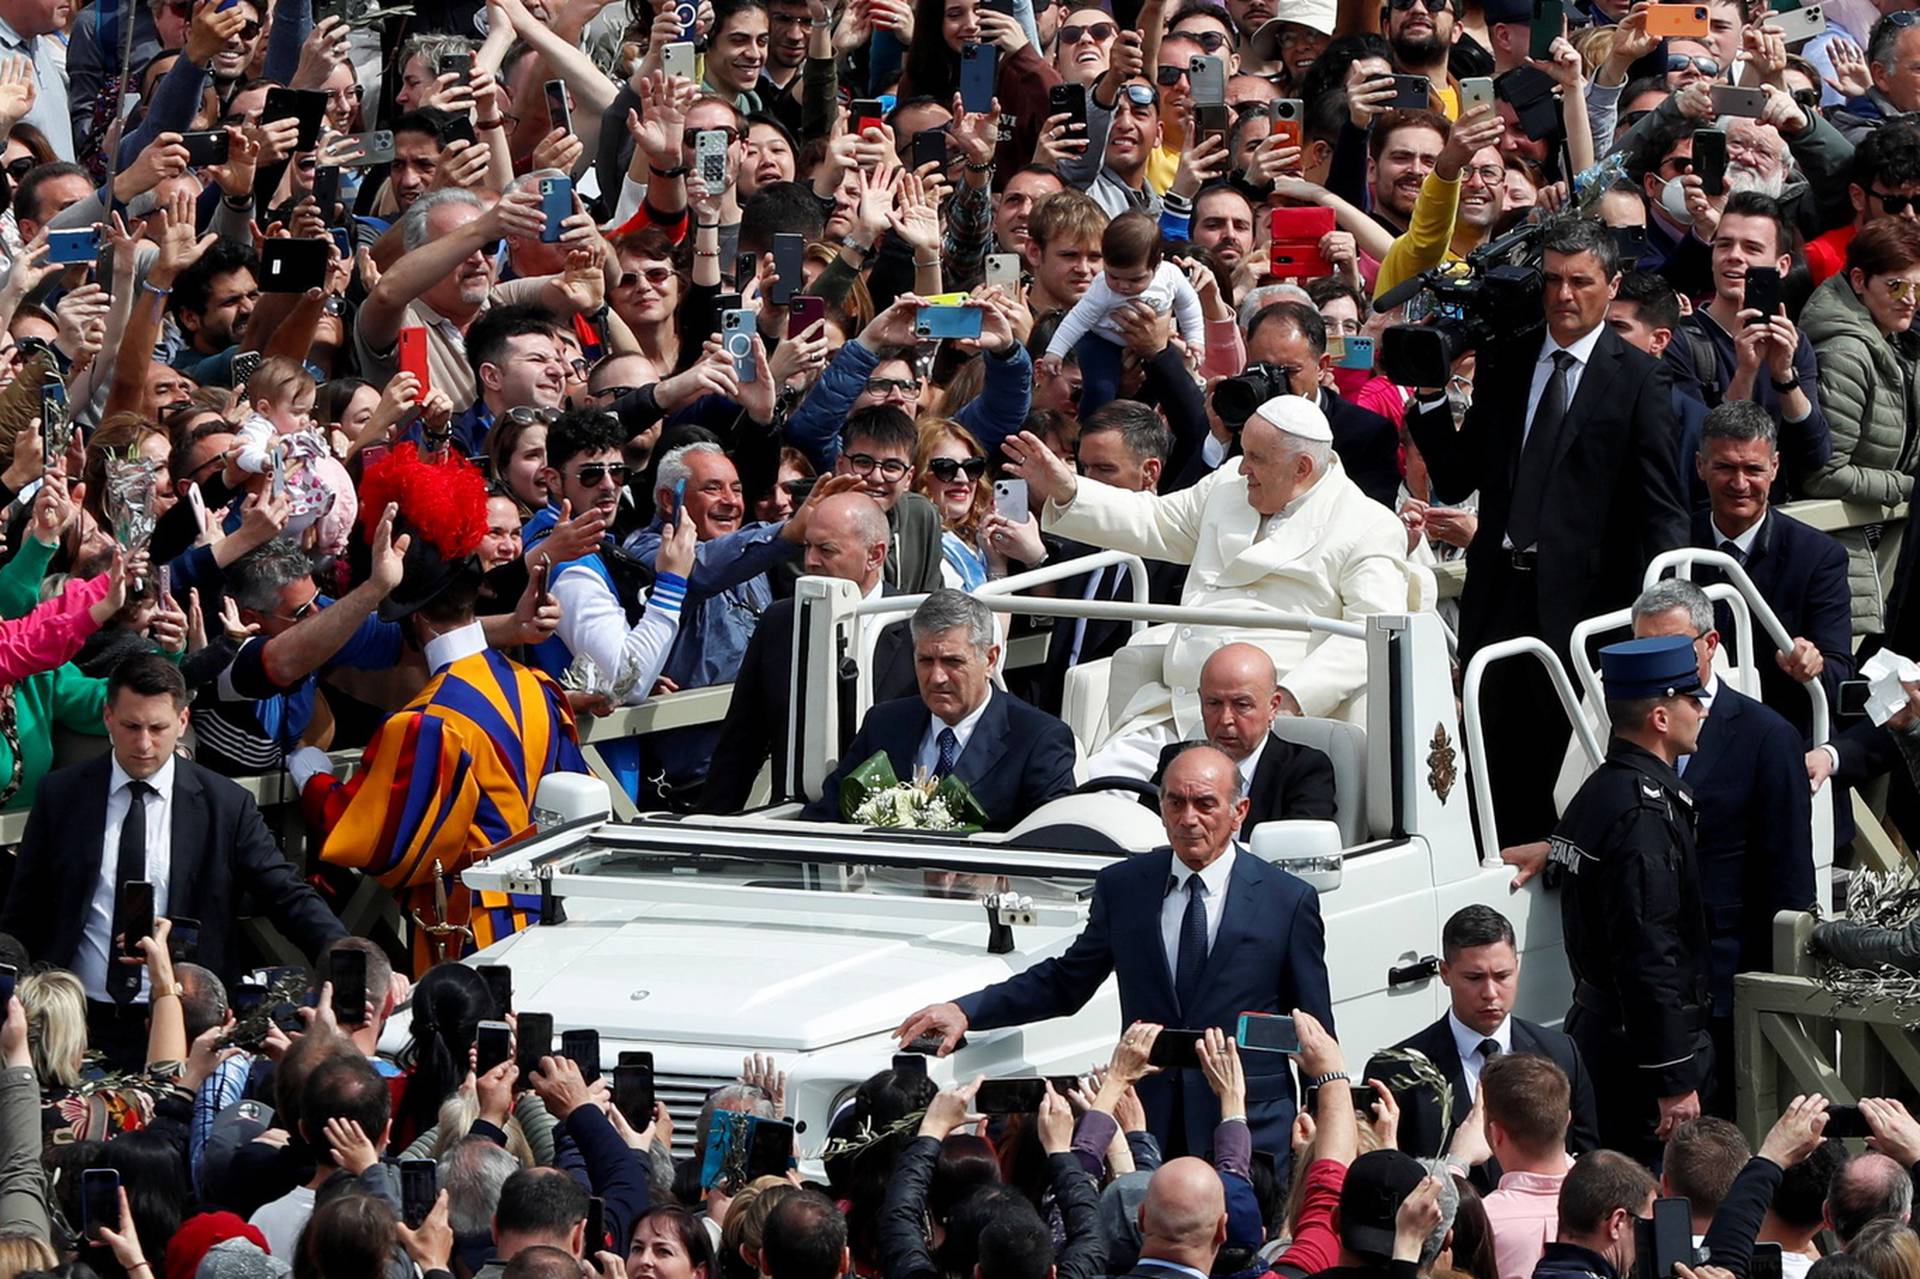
x,y
1895,205
948,469
1170,76
592,473
1097,30
1401,6
1680,62
1211,41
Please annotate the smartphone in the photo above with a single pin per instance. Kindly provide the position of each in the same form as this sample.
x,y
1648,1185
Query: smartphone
x,y
804,312
1710,160
308,106
583,1045
294,266
677,60
371,149
245,365
1475,91
710,157
499,979
1267,1032
868,113
910,1065
1632,243
326,191
596,1225
736,338
347,970
556,202
559,110
245,999
1208,77
1176,1048
53,410
928,1045
455,64
635,1057
1677,20
134,909
492,1046
929,147
1797,25
1209,121
633,1094
1010,500
419,1187
689,14
411,346
1356,353
1846,1122
1763,291
1069,100
81,244
205,146
789,258
947,322
1411,93
533,1040
1020,1096
9,976
1003,270
1852,702
979,65
99,1201
769,1148
1549,20
1287,115
1766,1262
1665,1241
1734,99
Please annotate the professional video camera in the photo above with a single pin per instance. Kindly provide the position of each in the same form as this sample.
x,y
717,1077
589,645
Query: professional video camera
x,y
1235,398
1495,292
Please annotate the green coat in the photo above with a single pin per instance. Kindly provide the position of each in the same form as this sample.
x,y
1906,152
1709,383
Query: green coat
x,y
1867,392
59,696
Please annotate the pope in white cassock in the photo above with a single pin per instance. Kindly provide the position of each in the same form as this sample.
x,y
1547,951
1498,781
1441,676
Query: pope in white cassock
x,y
1278,528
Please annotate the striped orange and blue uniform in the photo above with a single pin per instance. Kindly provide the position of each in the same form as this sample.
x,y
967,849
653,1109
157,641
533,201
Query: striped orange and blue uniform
x,y
448,776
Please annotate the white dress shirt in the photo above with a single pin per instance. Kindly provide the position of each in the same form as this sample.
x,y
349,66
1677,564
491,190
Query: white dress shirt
x,y
95,953
1173,908
928,756
1581,351
443,651
1249,764
1468,1040
1745,541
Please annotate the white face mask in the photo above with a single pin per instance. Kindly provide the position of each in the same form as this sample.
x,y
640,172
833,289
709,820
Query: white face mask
x,y
1673,198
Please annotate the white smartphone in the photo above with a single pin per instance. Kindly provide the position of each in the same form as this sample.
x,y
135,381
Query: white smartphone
x,y
1799,24
1003,269
677,60
1475,91
1010,500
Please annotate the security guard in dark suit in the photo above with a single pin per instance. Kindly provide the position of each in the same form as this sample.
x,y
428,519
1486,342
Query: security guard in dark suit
x,y
1630,906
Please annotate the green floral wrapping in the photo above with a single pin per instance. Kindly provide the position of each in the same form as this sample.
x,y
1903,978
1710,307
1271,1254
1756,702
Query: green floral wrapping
x,y
860,784
872,794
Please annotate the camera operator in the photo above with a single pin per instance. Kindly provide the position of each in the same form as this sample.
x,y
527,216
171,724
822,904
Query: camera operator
x,y
1569,441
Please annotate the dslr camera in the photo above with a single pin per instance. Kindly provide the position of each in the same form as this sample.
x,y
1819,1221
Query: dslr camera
x,y
1235,398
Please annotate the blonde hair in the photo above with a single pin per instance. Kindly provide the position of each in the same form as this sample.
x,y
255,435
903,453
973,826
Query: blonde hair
x,y
279,380
455,1121
22,1252
56,1006
746,1223
935,431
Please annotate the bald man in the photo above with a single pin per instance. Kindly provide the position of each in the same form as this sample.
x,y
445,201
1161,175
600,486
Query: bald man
x,y
846,538
1239,701
1281,529
1183,1220
1195,933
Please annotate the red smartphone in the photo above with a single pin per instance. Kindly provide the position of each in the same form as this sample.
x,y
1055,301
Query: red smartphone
x,y
803,313
1295,249
413,357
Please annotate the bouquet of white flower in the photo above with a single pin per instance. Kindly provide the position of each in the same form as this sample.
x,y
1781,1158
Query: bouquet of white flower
x,y
871,795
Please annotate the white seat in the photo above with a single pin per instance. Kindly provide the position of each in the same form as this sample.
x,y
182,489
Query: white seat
x,y
1346,745
1083,702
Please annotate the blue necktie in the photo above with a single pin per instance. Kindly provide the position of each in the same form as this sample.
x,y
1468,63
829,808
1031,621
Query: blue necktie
x,y
949,752
1193,947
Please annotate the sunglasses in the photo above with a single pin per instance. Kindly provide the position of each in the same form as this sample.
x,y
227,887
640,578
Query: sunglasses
x,y
526,416
594,473
1680,62
1895,204
1898,289
1167,77
611,393
1401,6
891,468
313,602
1145,95
889,385
1096,31
1210,41
949,469
657,277
250,30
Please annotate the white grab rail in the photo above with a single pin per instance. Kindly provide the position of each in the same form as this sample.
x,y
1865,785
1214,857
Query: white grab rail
x,y
1523,646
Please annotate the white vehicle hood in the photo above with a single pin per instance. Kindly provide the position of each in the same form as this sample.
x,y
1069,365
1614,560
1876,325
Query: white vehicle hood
x,y
668,975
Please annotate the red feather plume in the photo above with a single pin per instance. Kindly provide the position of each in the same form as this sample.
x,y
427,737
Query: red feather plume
x,y
443,502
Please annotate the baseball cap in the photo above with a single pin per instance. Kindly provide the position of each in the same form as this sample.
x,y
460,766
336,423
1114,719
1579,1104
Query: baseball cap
x,y
1376,1185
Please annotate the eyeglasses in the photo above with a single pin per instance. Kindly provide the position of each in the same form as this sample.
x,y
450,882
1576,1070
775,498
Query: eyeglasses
x,y
689,137
1679,163
1898,289
657,277
1680,62
312,602
949,469
1145,95
1093,30
889,385
1489,174
17,169
1167,77
1210,41
611,393
577,367
1401,6
342,97
890,468
1895,204
1807,100
593,474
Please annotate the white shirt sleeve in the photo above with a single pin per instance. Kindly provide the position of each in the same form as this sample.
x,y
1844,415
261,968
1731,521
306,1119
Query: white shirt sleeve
x,y
1087,312
1187,312
256,437
592,622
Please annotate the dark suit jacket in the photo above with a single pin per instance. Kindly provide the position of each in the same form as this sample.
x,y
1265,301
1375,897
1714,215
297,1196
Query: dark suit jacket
x,y
1753,841
1269,956
1017,759
221,852
758,714
1368,446
1613,497
1420,1111
1802,574
1103,637
1290,780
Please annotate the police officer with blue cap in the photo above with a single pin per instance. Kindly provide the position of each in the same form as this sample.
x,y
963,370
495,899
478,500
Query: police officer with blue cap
x,y
1630,905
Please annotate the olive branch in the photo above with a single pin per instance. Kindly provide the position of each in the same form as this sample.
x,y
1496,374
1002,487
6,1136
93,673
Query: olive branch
x,y
1422,1073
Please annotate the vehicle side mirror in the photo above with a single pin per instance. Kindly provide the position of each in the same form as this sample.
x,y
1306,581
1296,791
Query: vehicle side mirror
x,y
1307,847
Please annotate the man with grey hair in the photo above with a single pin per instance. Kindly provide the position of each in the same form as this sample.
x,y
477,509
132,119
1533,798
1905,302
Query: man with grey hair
x,y
446,278
1013,757
472,1171
1866,1187
1236,935
1281,529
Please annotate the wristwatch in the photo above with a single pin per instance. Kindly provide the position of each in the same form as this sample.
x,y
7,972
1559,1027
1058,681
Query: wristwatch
x,y
1319,1080
677,171
1788,386
848,242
